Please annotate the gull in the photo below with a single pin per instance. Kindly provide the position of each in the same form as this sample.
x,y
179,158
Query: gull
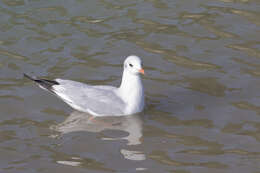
x,y
102,100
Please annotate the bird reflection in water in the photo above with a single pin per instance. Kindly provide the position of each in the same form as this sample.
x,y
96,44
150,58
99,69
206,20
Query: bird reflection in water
x,y
80,121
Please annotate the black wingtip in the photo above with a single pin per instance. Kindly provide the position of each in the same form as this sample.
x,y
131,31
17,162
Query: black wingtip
x,y
43,83
29,77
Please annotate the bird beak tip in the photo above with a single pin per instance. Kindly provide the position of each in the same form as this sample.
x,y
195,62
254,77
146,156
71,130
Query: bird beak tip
x,y
141,71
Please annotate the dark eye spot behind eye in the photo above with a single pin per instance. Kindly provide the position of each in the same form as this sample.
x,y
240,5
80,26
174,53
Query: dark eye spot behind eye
x,y
131,65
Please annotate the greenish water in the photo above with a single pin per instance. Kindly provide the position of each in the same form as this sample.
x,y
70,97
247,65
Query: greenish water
x,y
202,83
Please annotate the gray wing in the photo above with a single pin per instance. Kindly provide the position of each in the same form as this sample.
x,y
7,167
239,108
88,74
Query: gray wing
x,y
96,100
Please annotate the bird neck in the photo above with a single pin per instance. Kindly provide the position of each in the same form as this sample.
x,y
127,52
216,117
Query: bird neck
x,y
131,89
130,82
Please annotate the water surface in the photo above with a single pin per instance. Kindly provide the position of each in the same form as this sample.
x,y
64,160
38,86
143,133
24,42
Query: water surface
x,y
202,60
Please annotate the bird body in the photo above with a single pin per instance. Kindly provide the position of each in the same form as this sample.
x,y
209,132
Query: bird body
x,y
102,100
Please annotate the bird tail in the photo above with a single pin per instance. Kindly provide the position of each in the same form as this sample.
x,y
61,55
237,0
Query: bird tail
x,y
43,83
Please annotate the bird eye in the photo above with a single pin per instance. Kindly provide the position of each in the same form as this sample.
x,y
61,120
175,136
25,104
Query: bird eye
x,y
131,65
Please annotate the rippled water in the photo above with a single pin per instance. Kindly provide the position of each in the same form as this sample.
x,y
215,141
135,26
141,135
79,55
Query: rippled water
x,y
202,60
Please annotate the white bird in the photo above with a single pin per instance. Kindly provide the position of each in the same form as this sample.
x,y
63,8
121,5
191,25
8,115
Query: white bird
x,y
102,100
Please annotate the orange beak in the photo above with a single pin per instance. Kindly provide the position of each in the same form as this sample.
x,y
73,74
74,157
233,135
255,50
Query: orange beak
x,y
141,71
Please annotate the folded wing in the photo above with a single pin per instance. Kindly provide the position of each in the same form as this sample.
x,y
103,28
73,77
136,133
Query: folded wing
x,y
96,100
